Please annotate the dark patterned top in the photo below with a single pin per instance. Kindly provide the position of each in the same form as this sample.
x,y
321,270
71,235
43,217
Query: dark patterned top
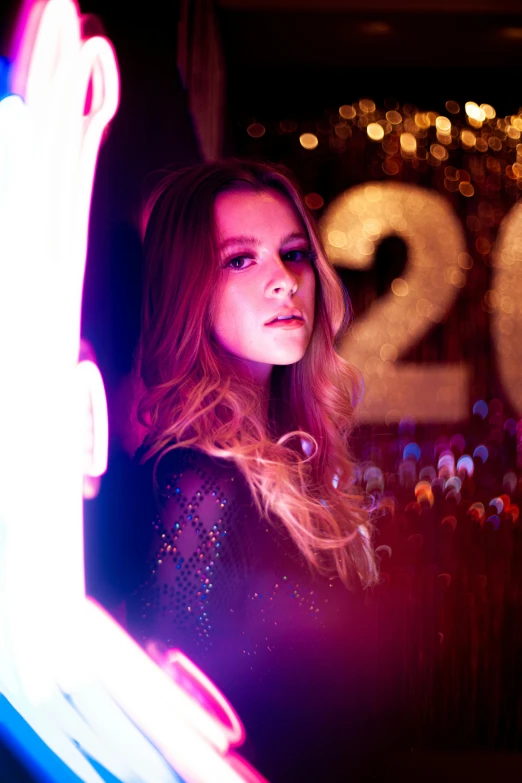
x,y
292,651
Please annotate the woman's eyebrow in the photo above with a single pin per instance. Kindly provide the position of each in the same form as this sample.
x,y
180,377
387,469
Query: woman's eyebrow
x,y
245,240
241,240
294,235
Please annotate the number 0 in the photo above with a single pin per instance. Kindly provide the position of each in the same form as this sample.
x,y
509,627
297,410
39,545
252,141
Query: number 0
x,y
506,304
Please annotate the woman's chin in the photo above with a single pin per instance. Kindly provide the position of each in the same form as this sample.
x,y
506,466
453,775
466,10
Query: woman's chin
x,y
289,357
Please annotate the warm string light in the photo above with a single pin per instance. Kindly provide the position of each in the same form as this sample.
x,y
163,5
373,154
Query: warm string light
x,y
421,140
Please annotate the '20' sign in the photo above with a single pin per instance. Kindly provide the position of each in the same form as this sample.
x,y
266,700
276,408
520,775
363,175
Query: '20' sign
x,y
353,225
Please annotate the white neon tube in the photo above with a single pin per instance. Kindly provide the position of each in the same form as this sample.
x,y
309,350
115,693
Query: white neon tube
x,y
75,676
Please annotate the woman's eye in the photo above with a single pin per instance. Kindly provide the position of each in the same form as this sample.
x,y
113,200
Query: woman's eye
x,y
239,262
297,255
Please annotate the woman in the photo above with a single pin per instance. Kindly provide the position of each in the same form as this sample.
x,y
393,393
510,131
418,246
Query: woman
x,y
259,530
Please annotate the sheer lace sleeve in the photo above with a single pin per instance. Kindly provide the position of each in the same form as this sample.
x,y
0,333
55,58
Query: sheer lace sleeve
x,y
199,557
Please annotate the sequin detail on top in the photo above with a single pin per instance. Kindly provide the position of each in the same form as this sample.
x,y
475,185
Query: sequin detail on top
x,y
225,584
195,572
192,538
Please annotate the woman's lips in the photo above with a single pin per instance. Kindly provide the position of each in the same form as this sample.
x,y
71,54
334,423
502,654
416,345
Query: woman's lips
x,y
294,323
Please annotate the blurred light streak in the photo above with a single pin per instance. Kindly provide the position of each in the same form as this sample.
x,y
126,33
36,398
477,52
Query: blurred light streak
x,y
67,668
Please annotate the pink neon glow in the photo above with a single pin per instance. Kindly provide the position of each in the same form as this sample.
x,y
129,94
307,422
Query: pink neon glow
x,y
127,707
189,677
190,738
23,42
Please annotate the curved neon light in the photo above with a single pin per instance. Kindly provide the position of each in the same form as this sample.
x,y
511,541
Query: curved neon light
x,y
94,394
78,680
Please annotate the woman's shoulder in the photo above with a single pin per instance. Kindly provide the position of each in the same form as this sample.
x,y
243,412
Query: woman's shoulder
x,y
174,457
179,464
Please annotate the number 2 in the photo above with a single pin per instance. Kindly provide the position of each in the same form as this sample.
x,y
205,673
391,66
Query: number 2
x,y
352,226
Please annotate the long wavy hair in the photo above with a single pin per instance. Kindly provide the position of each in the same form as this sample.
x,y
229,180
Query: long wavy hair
x,y
297,463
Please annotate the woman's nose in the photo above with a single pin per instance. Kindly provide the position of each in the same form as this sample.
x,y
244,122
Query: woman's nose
x,y
281,281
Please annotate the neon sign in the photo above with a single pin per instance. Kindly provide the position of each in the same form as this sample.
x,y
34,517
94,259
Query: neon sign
x,y
89,692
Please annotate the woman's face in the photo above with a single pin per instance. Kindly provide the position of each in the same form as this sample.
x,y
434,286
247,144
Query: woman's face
x,y
267,265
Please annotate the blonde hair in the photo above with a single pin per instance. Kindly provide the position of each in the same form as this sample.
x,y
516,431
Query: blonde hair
x,y
192,396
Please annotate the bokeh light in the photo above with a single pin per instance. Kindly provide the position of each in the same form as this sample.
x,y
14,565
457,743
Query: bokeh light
x,y
347,111
314,201
481,453
481,409
475,112
422,120
367,105
494,520
453,107
412,450
468,138
256,130
498,503
443,125
309,141
375,131
393,117
400,287
466,465
408,143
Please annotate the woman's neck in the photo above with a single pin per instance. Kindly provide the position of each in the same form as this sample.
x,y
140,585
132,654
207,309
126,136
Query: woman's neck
x,y
258,374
